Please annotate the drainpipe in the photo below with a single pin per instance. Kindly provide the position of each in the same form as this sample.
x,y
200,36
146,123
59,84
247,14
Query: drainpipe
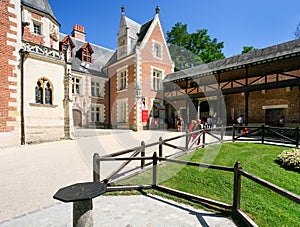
x,y
23,54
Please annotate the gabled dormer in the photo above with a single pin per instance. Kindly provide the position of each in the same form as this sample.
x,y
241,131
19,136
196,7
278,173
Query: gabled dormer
x,y
86,52
127,35
67,45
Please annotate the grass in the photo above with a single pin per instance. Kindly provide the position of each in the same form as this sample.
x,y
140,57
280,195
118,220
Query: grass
x,y
265,207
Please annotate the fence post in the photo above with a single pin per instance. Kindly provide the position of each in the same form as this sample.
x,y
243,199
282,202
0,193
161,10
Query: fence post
x,y
142,154
262,133
237,187
96,167
203,138
222,133
154,168
233,132
186,140
297,136
160,148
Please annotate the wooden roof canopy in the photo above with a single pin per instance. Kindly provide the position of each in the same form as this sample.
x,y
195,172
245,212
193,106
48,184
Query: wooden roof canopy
x,y
268,68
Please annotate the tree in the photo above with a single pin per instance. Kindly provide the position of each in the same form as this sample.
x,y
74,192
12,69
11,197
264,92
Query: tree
x,y
297,32
247,49
188,50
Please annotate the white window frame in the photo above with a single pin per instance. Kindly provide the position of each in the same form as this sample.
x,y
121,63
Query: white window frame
x,y
97,113
156,79
76,85
36,24
97,89
122,110
157,50
122,81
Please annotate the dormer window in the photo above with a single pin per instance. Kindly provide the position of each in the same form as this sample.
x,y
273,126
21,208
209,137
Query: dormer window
x,y
86,56
86,53
122,47
67,45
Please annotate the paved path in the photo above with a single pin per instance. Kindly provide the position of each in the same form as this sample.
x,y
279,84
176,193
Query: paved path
x,y
31,174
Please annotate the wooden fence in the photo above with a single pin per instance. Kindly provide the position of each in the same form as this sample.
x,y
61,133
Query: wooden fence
x,y
254,134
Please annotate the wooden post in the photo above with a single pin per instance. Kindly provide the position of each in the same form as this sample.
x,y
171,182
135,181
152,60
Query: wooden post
x,y
237,187
297,136
186,141
222,133
233,132
142,154
154,168
262,133
203,138
96,167
160,148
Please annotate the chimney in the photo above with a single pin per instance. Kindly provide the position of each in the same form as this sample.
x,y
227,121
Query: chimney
x,y
78,32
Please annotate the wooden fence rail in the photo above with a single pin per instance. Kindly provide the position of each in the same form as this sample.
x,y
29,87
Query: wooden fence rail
x,y
254,134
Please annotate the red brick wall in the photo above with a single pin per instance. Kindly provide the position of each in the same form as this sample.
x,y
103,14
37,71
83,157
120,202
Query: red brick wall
x,y
258,99
6,69
139,67
129,93
31,37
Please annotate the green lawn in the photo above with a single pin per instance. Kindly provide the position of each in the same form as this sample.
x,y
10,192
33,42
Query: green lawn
x,y
264,206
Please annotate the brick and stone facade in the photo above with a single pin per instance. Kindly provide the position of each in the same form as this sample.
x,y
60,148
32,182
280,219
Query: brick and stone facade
x,y
10,28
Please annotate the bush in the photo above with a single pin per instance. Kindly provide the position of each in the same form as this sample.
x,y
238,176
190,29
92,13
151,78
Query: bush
x,y
290,159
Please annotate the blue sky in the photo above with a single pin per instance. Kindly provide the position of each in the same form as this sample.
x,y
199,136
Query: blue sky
x,y
238,23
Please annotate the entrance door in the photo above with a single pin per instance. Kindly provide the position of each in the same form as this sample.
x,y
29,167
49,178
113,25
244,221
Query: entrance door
x,y
272,116
77,118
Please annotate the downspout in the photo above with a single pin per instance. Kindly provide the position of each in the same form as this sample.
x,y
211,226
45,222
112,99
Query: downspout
x,y
23,54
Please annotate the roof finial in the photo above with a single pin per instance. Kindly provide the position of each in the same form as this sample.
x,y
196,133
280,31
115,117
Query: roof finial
x,y
123,9
157,10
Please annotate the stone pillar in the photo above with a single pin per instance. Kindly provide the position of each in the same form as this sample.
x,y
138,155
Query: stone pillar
x,y
83,213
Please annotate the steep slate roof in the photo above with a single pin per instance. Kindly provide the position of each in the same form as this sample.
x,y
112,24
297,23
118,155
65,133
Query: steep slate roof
x,y
40,5
252,57
99,58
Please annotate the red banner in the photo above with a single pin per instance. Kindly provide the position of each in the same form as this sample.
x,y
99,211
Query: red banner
x,y
144,115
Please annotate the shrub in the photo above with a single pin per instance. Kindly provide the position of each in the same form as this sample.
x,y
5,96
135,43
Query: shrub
x,y
290,159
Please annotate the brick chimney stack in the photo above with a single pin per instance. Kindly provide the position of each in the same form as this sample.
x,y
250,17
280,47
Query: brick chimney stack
x,y
78,32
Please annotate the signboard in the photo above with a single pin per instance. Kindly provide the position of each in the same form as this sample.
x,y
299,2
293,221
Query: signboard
x,y
144,116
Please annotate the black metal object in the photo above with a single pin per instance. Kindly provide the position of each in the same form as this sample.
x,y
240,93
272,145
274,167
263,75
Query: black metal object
x,y
81,195
80,192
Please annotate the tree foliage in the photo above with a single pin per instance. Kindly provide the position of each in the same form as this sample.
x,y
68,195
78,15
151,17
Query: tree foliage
x,y
191,49
247,49
297,32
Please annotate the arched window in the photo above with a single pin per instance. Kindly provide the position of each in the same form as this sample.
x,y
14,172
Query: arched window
x,y
48,94
43,92
38,93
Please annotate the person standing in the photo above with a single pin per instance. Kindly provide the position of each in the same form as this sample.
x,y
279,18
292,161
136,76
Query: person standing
x,y
209,122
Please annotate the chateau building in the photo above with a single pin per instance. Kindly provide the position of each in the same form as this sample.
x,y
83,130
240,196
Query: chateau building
x,y
53,82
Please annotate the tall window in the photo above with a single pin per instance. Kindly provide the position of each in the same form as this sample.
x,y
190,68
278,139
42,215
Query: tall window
x,y
122,47
97,113
86,56
76,85
122,80
43,92
97,90
122,110
156,80
37,28
157,50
